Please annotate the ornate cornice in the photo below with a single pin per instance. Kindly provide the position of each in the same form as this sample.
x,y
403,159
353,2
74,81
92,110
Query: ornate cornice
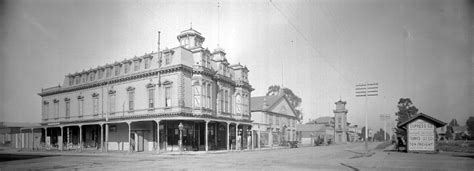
x,y
123,78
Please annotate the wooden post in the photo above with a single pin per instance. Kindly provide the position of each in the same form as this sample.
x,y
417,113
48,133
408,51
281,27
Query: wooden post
x,y
228,136
207,136
80,137
129,137
157,136
101,137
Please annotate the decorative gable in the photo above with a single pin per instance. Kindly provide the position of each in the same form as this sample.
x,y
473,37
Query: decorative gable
x,y
283,107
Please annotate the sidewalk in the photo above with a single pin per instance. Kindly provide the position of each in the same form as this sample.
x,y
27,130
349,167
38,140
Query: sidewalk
x,y
120,153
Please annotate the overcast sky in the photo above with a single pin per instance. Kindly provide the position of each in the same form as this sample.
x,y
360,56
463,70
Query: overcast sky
x,y
318,48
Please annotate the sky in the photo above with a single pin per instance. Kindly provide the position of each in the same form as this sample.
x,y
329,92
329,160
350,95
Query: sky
x,y
320,49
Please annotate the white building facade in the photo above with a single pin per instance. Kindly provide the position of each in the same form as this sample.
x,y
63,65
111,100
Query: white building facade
x,y
184,98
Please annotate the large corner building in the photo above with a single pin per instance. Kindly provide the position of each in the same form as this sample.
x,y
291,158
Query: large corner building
x,y
185,96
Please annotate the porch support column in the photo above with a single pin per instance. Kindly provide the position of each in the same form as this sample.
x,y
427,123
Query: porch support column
x,y
80,137
61,140
216,126
228,136
106,145
207,136
32,138
270,143
258,139
48,143
101,137
157,135
129,137
237,141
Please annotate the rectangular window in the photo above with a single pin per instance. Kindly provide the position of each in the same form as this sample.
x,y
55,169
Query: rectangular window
x,y
131,99
126,67
78,79
151,98
167,59
209,96
84,78
68,106
71,81
91,77
101,73
270,119
230,102
81,107
56,110
277,120
95,105
197,96
112,103
117,70
108,72
167,96
226,101
147,63
45,111
136,66
222,101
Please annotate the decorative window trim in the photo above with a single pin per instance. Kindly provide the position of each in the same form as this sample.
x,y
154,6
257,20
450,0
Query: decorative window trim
x,y
148,56
80,97
95,94
130,88
67,99
112,91
45,102
56,101
167,82
150,85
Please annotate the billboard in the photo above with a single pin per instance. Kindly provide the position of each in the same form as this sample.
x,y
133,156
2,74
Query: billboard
x,y
421,136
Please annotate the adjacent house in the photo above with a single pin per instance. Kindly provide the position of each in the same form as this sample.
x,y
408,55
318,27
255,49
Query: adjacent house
x,y
274,120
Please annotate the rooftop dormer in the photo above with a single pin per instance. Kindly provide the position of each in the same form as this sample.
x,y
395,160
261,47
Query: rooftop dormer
x,y
190,39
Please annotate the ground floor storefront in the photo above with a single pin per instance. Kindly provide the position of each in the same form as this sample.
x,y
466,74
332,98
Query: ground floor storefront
x,y
137,135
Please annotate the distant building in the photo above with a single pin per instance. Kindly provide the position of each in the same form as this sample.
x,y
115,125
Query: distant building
x,y
11,135
353,133
340,117
274,120
310,132
325,120
184,95
460,132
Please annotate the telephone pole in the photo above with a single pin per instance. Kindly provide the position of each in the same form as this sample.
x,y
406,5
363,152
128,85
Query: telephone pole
x,y
366,90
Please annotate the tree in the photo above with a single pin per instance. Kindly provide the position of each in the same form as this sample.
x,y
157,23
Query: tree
x,y
406,110
453,122
294,100
470,126
378,136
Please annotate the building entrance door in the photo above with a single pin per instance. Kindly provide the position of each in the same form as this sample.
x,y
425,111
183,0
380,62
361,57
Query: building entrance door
x,y
137,141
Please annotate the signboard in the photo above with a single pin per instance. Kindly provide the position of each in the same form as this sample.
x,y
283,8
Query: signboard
x,y
421,136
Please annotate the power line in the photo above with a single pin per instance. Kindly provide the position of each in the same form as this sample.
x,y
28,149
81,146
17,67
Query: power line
x,y
307,40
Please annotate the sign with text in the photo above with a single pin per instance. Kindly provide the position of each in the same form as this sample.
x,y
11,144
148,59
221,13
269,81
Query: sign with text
x,y
421,136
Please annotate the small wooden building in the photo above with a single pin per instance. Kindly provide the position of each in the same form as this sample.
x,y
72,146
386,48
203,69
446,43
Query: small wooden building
x,y
421,130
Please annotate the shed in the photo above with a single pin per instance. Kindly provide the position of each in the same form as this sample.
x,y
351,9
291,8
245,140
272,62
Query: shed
x,y
421,132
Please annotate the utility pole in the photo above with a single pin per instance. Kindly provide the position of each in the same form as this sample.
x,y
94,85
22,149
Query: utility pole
x,y
366,90
384,118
